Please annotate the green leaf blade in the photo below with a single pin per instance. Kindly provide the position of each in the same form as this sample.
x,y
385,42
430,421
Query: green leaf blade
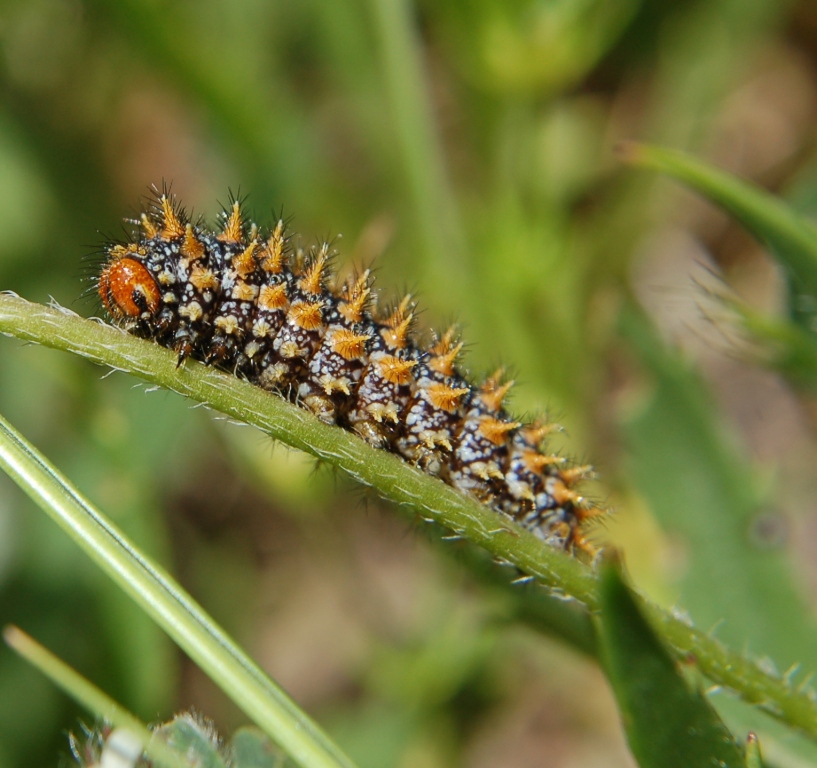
x,y
187,736
669,724
251,748
791,237
703,492
169,605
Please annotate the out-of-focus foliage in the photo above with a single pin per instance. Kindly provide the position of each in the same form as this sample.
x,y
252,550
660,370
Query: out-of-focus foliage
x,y
466,150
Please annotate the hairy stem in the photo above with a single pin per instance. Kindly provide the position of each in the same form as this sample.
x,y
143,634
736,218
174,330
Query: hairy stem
x,y
397,481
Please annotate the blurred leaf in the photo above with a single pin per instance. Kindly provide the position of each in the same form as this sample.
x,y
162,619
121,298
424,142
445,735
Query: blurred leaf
x,y
248,120
406,86
702,493
376,733
790,237
251,748
525,603
194,739
782,747
669,723
702,490
786,347
527,48
430,672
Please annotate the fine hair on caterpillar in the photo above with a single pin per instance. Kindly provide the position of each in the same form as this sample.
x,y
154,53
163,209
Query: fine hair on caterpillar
x,y
247,301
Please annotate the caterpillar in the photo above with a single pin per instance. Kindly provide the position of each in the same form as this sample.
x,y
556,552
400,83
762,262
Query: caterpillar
x,y
251,303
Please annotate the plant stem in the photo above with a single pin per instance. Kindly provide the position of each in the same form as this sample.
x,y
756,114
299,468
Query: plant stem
x,y
405,83
400,482
159,596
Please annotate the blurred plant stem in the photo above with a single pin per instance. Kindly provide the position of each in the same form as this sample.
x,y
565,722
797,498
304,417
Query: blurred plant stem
x,y
406,88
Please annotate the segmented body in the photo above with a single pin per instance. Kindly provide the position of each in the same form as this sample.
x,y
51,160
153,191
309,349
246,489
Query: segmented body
x,y
243,301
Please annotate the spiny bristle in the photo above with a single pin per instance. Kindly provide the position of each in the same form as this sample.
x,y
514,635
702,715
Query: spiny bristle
x,y
445,352
403,312
445,343
244,262
496,430
307,314
576,474
273,297
204,279
397,326
313,278
355,298
172,225
492,392
234,226
445,397
538,462
536,432
350,345
192,247
395,370
150,228
273,255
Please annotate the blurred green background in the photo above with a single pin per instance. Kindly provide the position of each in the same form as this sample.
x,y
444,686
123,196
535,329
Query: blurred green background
x,y
466,150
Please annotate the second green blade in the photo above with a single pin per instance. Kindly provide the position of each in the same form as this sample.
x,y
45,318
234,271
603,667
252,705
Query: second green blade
x,y
169,605
669,723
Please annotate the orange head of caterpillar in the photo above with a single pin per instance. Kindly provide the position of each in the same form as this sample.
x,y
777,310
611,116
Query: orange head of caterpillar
x,y
128,290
